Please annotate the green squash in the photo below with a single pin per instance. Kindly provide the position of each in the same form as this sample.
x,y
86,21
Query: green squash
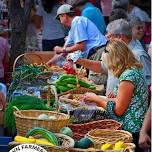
x,y
66,131
84,143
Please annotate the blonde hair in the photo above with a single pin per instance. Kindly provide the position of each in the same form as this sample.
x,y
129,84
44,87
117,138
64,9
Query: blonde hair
x,y
119,57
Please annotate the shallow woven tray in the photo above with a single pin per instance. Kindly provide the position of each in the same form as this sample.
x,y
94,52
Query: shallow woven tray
x,y
27,119
79,90
102,136
75,101
80,130
67,143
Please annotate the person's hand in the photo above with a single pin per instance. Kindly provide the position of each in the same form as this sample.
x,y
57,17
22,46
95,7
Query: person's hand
x,y
54,60
144,140
110,94
58,49
90,97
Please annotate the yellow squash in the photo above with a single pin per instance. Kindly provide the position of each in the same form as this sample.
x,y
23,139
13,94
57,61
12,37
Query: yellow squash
x,y
24,139
106,146
119,145
43,141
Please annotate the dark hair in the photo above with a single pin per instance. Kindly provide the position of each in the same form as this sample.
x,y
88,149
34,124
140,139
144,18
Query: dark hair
x,y
131,2
71,14
49,4
118,13
120,4
78,3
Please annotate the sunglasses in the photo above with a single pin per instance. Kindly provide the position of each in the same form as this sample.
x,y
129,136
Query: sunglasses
x,y
105,45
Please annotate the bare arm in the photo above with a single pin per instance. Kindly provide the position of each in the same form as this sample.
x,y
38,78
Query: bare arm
x,y
37,20
94,66
122,101
78,46
147,121
69,49
144,138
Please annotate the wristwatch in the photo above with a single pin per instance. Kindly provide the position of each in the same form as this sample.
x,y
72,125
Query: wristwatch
x,y
64,50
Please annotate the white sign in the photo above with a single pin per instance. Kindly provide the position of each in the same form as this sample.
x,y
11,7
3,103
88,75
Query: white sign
x,y
28,148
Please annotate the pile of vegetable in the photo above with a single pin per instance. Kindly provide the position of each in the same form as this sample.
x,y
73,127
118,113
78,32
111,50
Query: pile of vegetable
x,y
120,145
67,82
22,103
47,137
24,73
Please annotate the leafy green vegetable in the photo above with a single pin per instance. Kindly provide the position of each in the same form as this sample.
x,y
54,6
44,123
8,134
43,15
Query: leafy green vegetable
x,y
22,103
24,73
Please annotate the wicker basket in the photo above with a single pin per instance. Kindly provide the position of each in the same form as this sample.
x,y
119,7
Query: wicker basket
x,y
67,143
27,119
79,90
80,130
130,147
102,136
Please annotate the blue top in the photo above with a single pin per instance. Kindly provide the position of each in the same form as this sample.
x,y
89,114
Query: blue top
x,y
82,29
95,15
134,115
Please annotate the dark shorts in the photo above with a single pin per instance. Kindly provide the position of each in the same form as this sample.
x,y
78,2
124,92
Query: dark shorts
x,y
48,45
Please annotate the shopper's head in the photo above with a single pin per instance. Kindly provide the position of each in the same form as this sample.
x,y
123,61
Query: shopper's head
x,y
65,14
118,13
120,4
138,28
119,29
118,57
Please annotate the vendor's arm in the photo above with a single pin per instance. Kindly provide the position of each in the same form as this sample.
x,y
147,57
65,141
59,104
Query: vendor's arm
x,y
122,100
69,49
94,66
55,59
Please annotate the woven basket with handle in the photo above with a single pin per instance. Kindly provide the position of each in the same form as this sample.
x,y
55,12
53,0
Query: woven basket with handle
x,y
129,147
102,136
66,143
27,119
80,130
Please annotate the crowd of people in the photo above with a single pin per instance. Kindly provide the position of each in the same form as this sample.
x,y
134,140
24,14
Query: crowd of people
x,y
111,38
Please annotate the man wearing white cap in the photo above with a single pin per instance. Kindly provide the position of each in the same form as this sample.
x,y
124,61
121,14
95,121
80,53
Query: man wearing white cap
x,y
83,37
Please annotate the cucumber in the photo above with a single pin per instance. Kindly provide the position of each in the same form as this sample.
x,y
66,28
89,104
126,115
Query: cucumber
x,y
84,84
61,83
72,86
45,133
66,76
92,87
63,88
70,81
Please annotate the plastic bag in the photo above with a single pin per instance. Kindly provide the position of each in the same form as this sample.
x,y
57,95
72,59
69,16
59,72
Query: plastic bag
x,y
69,67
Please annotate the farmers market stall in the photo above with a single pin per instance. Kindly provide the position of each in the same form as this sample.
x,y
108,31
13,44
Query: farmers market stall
x,y
46,107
